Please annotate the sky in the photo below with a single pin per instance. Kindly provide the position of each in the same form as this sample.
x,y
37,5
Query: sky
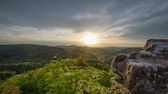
x,y
65,22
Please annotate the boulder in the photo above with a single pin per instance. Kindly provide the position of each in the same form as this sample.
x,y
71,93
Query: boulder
x,y
118,63
145,71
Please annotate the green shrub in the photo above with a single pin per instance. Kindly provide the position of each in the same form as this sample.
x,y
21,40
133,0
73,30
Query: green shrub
x,y
63,77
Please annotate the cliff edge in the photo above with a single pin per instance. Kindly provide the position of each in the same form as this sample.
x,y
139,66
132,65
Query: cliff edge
x,y
145,71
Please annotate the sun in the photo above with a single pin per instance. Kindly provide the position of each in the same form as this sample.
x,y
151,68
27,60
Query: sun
x,y
90,38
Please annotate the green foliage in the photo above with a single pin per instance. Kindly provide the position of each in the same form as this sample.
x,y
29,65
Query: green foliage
x,y
100,66
129,50
63,77
55,57
10,69
11,89
6,74
105,78
16,59
81,61
25,51
115,90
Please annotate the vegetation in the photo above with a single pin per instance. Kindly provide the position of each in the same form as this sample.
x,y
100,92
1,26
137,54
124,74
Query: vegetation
x,y
16,59
87,74
129,50
10,89
28,52
10,69
65,76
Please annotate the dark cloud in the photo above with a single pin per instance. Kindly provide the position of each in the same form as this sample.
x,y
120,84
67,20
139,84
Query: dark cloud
x,y
146,31
42,13
133,19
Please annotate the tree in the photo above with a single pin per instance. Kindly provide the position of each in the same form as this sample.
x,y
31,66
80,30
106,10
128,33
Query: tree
x,y
81,61
11,89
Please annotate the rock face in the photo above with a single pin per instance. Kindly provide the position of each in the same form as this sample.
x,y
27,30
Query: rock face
x,y
145,72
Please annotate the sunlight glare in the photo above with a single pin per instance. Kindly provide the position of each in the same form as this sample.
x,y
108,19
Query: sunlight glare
x,y
90,38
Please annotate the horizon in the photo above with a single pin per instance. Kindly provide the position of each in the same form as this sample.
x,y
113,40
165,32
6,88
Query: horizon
x,y
74,45
95,23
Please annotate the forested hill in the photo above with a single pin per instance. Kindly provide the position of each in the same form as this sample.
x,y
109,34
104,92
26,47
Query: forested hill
x,y
16,59
66,76
28,52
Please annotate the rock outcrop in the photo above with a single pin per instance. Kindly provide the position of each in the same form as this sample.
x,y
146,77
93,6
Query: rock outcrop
x,y
145,72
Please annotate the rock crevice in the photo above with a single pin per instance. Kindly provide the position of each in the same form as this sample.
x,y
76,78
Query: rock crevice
x,y
145,71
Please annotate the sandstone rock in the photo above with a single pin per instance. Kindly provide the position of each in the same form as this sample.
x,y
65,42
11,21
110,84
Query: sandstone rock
x,y
118,63
146,71
113,81
158,47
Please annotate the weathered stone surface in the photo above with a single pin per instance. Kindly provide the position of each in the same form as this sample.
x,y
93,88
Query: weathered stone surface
x,y
158,47
115,81
146,71
118,63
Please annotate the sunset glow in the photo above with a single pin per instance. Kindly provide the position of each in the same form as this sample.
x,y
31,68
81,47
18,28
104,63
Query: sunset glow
x,y
109,22
90,38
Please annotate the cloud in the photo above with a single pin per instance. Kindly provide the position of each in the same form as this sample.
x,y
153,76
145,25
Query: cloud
x,y
57,20
35,32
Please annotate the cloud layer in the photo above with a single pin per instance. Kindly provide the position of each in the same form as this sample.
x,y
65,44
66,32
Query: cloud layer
x,y
63,22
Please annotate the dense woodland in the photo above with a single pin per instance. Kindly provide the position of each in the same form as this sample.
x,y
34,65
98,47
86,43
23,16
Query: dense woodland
x,y
39,69
66,76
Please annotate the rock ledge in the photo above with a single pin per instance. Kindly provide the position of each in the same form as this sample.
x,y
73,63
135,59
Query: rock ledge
x,y
145,71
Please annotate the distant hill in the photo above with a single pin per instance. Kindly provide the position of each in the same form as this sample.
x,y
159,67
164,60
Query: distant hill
x,y
16,59
29,52
129,50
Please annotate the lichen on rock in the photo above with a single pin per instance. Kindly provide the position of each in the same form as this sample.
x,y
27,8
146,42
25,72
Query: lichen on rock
x,y
145,71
